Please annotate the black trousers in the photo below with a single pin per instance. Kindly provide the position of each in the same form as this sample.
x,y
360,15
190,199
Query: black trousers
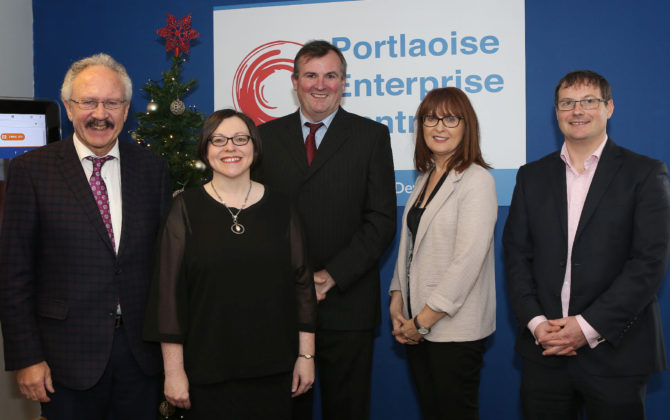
x,y
344,364
446,376
123,392
567,392
264,398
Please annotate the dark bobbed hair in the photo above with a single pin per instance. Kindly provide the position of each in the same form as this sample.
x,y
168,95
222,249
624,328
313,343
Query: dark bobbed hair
x,y
213,121
449,101
316,49
584,77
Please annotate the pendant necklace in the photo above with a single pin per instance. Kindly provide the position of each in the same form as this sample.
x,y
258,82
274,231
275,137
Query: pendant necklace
x,y
236,228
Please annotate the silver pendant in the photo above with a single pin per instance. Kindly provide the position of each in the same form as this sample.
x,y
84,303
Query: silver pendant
x,y
237,228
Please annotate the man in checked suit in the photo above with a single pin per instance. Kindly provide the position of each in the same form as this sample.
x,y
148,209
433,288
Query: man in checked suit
x,y
74,270
346,199
586,245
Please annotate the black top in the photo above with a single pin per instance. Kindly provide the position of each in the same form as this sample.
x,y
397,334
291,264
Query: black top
x,y
416,211
414,218
236,302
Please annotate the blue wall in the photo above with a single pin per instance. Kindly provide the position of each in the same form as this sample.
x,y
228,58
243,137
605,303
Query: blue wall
x,y
629,44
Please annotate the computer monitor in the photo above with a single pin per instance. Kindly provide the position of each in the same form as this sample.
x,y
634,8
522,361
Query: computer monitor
x,y
27,124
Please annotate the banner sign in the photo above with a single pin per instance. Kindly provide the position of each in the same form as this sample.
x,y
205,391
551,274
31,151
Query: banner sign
x,y
396,51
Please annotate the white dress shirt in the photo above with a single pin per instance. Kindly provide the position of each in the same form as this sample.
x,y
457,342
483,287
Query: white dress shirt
x,y
111,174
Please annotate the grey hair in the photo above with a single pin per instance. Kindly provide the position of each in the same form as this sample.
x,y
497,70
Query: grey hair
x,y
100,59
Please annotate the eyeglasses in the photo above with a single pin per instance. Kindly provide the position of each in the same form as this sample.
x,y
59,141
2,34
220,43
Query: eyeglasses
x,y
88,104
450,121
588,103
238,140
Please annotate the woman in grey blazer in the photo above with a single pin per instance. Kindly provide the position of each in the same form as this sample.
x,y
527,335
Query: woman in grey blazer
x,y
443,289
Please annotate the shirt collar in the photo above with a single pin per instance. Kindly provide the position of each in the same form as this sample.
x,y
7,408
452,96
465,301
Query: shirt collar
x,y
326,121
83,152
595,156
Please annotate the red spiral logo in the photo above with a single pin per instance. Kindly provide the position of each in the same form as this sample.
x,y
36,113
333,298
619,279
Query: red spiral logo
x,y
254,74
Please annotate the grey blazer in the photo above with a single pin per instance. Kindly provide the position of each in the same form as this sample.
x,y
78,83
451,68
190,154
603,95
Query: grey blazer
x,y
452,268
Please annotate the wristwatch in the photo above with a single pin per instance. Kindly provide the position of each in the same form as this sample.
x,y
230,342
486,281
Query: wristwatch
x,y
419,328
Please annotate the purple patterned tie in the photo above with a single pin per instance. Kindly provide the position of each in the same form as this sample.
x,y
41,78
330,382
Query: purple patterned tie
x,y
99,191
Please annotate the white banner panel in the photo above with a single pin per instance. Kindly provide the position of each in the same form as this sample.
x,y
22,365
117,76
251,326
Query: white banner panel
x,y
396,52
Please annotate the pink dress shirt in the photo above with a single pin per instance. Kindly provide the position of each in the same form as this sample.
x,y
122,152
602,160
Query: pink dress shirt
x,y
577,185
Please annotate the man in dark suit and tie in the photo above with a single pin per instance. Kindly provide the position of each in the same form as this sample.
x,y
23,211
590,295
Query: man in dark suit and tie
x,y
586,249
338,168
80,221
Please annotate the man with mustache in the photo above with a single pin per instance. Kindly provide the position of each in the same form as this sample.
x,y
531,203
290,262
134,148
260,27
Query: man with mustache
x,y
76,242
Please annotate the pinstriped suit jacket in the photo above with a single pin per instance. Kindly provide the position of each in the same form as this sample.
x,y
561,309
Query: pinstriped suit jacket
x,y
59,276
346,200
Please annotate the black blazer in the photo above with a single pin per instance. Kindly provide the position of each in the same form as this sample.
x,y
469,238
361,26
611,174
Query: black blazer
x,y
59,275
346,199
619,258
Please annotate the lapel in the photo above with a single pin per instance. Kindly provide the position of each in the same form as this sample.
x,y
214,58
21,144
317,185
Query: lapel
x,y
433,208
560,191
608,166
418,186
294,142
130,174
338,133
75,178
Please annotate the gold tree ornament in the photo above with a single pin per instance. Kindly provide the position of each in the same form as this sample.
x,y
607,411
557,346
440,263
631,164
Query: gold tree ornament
x,y
199,165
177,107
152,106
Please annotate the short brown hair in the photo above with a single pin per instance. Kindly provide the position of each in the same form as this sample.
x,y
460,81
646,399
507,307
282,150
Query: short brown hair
x,y
584,77
449,100
213,121
317,49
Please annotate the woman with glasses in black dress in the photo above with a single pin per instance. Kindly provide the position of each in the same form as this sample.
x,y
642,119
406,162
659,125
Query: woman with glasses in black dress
x,y
233,301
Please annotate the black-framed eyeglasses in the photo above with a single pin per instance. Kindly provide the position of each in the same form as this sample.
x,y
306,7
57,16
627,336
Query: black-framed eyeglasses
x,y
449,121
88,104
587,103
238,140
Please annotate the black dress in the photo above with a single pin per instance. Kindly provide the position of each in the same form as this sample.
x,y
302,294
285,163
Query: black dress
x,y
235,302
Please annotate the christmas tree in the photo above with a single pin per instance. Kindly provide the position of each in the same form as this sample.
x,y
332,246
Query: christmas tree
x,y
168,127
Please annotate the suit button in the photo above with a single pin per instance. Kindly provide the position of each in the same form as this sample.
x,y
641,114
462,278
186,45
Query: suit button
x,y
118,271
562,263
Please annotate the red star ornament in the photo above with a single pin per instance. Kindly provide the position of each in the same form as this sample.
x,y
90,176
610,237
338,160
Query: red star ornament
x,y
177,34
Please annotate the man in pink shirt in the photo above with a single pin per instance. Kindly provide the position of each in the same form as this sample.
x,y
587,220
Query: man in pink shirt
x,y
587,242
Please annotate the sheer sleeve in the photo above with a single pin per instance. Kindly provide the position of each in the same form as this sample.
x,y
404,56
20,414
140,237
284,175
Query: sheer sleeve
x,y
304,284
167,315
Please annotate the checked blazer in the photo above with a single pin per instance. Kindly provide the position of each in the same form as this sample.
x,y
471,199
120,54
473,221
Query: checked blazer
x,y
346,200
59,276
